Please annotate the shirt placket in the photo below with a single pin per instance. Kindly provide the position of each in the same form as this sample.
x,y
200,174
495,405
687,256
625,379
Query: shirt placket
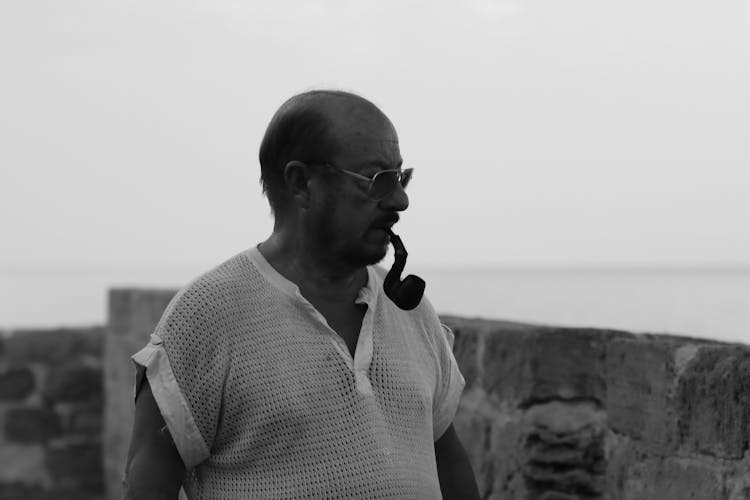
x,y
363,352
360,364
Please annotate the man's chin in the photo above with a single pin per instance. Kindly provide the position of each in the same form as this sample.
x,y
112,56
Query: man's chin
x,y
368,256
376,258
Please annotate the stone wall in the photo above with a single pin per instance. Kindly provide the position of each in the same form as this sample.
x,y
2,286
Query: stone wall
x,y
51,403
570,413
548,413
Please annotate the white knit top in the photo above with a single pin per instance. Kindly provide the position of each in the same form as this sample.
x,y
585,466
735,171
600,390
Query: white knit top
x,y
263,399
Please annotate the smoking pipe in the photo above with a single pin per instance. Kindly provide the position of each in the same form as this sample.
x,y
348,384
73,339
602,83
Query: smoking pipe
x,y
406,293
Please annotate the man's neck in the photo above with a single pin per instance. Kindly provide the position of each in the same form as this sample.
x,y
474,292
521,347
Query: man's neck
x,y
330,281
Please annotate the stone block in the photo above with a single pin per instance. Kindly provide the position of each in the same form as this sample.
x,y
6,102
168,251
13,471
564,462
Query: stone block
x,y
86,422
564,450
567,363
134,310
23,463
504,371
714,402
133,315
488,430
71,383
529,363
54,346
20,490
76,466
640,401
31,425
16,384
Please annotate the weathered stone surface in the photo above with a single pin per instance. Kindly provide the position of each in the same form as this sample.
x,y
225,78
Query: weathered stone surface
x,y
683,355
503,470
25,491
69,383
632,378
489,430
86,422
54,346
16,384
504,369
640,380
21,490
534,363
674,479
738,480
621,452
714,402
564,450
465,349
31,425
76,466
567,363
135,310
23,463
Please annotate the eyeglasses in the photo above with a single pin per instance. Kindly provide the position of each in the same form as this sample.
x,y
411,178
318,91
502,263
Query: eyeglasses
x,y
382,183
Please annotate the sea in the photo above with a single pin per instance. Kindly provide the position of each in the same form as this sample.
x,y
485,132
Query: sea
x,y
707,303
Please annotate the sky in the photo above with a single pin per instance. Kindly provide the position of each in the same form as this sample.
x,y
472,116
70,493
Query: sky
x,y
542,133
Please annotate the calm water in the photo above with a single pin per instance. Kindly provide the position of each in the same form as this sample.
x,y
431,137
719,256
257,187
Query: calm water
x,y
703,303
709,304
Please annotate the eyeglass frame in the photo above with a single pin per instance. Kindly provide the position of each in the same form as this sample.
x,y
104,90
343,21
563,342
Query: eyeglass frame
x,y
371,180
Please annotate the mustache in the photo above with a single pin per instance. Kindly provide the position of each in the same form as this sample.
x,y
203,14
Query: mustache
x,y
387,222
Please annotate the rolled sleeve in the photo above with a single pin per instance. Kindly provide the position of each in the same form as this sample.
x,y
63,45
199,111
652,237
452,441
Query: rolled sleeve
x,y
451,385
153,363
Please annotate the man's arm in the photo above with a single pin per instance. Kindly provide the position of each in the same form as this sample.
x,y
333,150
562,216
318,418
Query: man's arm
x,y
154,469
454,470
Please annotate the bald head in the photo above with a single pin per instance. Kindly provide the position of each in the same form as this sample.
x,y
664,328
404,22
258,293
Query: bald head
x,y
311,127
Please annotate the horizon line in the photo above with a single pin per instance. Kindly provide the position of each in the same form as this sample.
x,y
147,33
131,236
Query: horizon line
x,y
504,266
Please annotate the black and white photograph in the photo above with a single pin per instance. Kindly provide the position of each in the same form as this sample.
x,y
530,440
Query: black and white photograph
x,y
330,249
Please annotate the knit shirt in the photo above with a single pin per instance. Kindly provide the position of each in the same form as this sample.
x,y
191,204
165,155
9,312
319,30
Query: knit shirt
x,y
263,399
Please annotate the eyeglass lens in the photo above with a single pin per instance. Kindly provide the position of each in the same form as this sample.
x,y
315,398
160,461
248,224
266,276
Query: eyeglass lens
x,y
385,182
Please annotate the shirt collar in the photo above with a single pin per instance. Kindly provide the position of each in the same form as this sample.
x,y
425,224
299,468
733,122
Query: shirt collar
x,y
367,294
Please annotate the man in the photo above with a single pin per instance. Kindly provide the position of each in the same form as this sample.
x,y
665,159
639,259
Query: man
x,y
286,372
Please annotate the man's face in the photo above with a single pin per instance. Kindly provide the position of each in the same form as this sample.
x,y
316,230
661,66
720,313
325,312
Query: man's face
x,y
346,223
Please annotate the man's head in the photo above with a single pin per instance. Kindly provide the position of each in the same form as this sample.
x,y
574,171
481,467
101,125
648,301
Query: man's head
x,y
309,127
309,141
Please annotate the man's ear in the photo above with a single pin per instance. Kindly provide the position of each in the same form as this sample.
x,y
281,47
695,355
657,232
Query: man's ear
x,y
297,178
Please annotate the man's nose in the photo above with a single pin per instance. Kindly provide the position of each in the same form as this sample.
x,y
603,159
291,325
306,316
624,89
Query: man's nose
x,y
396,201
